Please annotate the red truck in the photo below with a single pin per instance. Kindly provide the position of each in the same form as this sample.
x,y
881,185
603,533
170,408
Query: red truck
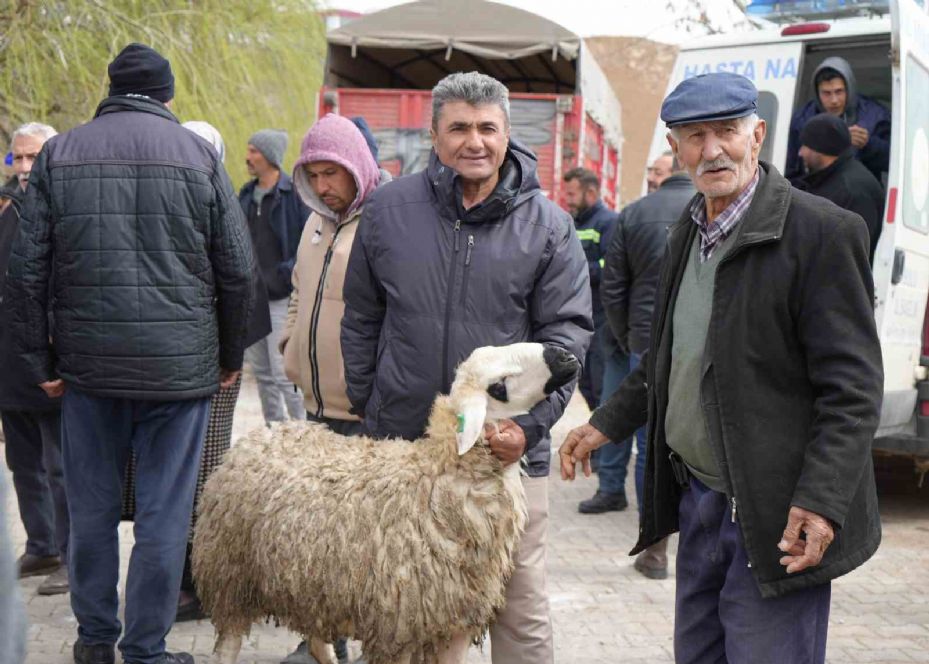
x,y
382,67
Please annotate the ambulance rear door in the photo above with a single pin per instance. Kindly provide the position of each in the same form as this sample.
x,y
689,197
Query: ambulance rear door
x,y
901,262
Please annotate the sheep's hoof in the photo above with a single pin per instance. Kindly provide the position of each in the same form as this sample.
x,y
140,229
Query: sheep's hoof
x,y
226,650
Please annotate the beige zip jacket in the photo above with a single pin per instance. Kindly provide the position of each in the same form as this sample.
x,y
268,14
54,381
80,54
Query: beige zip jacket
x,y
310,342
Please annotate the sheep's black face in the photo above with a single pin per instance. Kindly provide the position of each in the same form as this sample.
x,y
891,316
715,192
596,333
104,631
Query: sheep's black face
x,y
563,366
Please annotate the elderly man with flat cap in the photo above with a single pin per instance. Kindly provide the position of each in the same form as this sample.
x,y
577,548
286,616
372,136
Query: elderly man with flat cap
x,y
131,221
761,390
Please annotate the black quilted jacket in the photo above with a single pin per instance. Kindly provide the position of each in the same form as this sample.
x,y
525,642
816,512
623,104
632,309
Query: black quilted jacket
x,y
134,219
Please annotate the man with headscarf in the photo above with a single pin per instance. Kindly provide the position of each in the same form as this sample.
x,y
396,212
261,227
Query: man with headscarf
x,y
835,91
137,220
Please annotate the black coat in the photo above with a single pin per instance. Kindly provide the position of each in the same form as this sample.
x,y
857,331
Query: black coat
x,y
136,218
594,229
792,382
850,185
633,261
17,390
425,286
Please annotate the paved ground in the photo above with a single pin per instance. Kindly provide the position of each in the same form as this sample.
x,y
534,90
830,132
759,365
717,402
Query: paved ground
x,y
603,611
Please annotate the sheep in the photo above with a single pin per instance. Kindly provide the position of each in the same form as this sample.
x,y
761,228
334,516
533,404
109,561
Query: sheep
x,y
405,546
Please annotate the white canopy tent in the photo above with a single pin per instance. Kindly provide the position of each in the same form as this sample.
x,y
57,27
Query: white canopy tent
x,y
414,45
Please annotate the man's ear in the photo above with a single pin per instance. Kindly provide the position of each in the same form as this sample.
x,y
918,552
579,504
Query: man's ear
x,y
471,422
432,135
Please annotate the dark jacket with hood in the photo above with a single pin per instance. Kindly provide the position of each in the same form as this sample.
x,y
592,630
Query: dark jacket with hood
x,y
859,110
427,285
136,219
594,227
791,388
633,261
288,215
850,185
18,391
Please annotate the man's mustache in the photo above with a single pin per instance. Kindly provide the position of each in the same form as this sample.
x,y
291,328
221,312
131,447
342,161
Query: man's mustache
x,y
715,165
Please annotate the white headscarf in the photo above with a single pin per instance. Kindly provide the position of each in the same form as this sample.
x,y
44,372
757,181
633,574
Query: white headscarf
x,y
210,134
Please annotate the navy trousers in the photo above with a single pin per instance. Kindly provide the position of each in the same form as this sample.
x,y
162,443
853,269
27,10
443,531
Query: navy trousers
x,y
720,616
33,455
97,436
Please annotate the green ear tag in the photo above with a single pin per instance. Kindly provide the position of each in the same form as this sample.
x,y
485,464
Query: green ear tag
x,y
460,423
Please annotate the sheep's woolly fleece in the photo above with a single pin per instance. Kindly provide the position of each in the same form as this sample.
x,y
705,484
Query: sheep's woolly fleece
x,y
401,545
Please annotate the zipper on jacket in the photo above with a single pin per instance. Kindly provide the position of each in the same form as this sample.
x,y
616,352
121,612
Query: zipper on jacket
x,y
314,323
448,305
467,264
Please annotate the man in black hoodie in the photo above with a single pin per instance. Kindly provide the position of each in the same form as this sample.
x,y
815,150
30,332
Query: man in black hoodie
x,y
468,253
834,174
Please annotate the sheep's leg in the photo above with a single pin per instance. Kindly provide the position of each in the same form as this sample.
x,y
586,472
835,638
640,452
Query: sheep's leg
x,y
227,648
322,651
455,651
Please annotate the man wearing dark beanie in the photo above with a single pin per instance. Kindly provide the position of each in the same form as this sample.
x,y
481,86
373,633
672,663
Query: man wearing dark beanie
x,y
835,174
153,285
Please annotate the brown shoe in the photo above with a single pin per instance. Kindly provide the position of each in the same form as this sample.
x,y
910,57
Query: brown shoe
x,y
653,562
57,583
32,565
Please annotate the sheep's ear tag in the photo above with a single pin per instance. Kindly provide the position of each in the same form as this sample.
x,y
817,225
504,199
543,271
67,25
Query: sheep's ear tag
x,y
470,425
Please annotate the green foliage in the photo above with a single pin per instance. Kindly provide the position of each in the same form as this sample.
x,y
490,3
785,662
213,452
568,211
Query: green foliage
x,y
241,65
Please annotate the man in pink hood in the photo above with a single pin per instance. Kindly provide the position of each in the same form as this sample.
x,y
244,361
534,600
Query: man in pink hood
x,y
334,176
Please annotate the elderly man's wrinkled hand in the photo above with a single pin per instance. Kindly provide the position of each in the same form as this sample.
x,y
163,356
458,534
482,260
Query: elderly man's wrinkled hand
x,y
576,448
804,553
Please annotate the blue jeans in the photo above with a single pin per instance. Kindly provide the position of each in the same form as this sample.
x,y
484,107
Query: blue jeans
x,y
720,615
613,457
98,434
641,446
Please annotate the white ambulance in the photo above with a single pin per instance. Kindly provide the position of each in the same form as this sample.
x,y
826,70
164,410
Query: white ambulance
x,y
887,45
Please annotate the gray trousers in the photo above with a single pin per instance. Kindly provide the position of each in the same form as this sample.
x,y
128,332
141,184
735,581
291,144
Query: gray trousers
x,y
280,399
33,454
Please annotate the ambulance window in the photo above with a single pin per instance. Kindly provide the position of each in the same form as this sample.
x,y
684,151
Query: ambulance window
x,y
915,185
767,111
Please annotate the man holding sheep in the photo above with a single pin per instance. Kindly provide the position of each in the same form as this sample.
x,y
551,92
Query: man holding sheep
x,y
762,394
468,253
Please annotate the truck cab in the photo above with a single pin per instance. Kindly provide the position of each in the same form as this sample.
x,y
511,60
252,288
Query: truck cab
x,y
887,45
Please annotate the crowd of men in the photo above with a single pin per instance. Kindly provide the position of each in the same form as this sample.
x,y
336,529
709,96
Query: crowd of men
x,y
724,320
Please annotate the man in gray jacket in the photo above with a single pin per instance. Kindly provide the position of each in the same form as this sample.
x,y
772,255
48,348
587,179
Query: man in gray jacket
x,y
468,253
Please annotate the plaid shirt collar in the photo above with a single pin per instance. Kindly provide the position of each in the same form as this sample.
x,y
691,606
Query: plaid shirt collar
x,y
711,235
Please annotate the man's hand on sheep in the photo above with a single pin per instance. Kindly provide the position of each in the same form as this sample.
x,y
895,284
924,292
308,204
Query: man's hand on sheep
x,y
577,446
507,440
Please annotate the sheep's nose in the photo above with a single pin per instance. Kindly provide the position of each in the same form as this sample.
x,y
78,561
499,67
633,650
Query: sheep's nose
x,y
563,366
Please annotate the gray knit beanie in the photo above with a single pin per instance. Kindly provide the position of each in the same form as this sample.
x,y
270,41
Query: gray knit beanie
x,y
271,143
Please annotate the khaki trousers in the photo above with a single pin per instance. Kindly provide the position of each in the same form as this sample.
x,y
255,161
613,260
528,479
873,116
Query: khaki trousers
x,y
522,633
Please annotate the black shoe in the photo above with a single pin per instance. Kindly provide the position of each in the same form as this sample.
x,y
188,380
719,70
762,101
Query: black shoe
x,y
175,658
99,653
191,610
32,565
603,502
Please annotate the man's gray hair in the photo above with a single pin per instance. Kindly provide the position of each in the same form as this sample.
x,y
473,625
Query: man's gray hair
x,y
472,87
43,131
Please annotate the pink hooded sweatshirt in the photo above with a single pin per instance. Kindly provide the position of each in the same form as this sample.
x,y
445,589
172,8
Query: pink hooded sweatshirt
x,y
337,139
